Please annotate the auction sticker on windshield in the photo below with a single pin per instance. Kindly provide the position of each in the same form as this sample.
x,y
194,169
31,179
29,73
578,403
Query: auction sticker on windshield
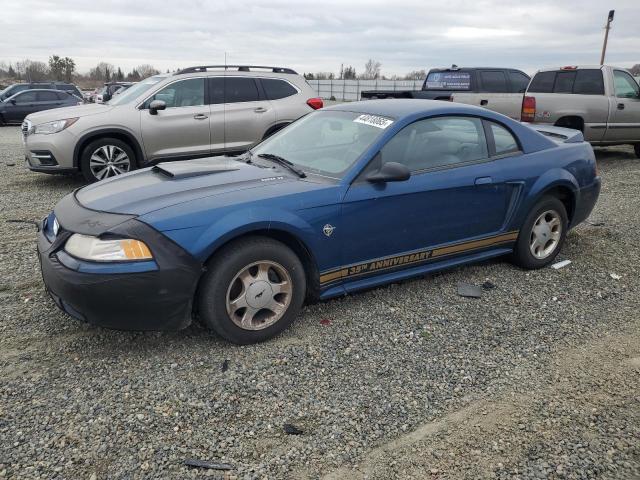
x,y
374,121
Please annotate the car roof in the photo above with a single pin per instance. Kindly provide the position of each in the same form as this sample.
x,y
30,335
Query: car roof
x,y
572,67
403,107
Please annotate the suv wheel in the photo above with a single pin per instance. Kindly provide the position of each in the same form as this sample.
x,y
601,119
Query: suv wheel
x,y
106,157
542,234
252,291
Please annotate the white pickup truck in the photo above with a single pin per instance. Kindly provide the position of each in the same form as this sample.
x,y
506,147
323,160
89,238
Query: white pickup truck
x,y
602,102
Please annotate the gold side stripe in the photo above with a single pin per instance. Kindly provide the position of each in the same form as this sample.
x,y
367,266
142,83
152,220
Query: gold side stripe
x,y
420,257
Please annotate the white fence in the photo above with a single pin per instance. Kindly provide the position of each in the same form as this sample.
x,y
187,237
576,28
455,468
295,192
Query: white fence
x,y
349,90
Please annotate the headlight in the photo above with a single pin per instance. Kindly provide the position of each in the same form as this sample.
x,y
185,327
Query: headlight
x,y
55,126
92,248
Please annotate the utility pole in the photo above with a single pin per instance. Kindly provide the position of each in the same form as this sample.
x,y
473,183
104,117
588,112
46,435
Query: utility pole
x,y
606,35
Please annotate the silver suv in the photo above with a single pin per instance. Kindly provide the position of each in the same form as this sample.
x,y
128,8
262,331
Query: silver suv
x,y
196,112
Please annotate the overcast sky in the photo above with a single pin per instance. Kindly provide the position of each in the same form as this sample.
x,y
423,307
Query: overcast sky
x,y
316,35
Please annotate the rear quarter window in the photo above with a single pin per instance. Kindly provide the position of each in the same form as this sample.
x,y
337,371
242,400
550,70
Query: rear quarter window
x,y
493,82
277,89
448,81
542,82
589,82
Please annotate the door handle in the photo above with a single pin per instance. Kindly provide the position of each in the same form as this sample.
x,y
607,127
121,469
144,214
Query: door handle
x,y
621,106
484,102
200,116
259,109
484,180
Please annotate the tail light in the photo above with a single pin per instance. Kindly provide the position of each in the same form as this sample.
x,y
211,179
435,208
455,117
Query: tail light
x,y
315,103
528,109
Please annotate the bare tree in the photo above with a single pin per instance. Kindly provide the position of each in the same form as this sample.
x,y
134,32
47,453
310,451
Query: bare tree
x,y
635,70
371,70
32,71
103,72
349,73
416,75
146,70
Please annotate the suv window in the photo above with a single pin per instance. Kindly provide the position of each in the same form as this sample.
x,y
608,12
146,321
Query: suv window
x,y
564,82
238,89
542,82
216,90
589,82
437,142
184,93
625,85
453,80
47,97
519,81
26,97
493,82
276,89
503,140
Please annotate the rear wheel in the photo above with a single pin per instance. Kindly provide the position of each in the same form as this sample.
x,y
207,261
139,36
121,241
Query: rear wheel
x,y
252,291
542,234
105,158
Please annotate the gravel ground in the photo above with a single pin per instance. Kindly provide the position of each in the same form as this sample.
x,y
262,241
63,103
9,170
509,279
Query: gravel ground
x,y
540,378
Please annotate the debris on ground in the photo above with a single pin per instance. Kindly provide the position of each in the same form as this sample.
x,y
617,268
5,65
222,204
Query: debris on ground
x,y
559,265
468,290
325,321
225,365
292,429
192,462
488,285
615,276
595,224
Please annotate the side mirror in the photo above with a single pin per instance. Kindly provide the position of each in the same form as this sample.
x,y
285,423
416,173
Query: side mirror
x,y
157,105
390,172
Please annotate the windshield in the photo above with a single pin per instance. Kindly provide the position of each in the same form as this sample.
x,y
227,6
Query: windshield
x,y
325,142
136,90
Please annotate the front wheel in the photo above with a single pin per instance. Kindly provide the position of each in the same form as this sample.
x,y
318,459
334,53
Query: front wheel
x,y
542,234
252,291
106,157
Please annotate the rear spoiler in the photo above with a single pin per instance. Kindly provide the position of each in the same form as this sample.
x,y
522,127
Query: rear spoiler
x,y
559,134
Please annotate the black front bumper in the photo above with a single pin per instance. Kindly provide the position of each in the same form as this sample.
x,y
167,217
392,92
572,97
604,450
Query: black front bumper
x,y
160,298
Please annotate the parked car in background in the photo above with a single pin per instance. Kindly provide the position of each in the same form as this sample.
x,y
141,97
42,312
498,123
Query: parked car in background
x,y
15,108
345,199
19,87
498,89
603,102
109,90
195,112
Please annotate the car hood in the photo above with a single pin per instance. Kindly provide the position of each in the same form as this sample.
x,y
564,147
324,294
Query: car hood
x,y
68,112
171,183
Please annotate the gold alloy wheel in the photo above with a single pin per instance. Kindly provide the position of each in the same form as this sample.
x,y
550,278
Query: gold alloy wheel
x,y
259,295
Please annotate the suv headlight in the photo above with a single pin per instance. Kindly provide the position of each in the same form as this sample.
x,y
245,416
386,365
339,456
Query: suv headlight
x,y
117,250
55,126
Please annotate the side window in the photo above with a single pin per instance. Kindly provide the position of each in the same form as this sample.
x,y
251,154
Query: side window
x,y
47,97
542,82
185,93
276,89
564,82
26,97
589,82
493,82
216,90
238,89
519,82
503,140
626,86
437,142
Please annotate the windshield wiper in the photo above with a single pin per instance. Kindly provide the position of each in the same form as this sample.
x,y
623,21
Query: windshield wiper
x,y
284,162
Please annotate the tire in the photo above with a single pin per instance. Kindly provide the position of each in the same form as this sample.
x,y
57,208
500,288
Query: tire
x,y
636,148
240,269
103,150
542,240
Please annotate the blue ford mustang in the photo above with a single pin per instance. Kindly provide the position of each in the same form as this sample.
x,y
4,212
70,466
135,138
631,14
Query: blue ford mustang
x,y
346,198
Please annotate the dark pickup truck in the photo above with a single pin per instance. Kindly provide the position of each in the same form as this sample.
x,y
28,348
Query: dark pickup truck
x,y
494,85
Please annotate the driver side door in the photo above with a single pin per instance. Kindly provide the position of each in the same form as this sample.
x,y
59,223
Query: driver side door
x,y
25,103
182,129
455,194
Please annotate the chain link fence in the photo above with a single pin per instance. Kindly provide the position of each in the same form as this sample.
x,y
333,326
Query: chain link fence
x,y
349,90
